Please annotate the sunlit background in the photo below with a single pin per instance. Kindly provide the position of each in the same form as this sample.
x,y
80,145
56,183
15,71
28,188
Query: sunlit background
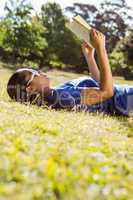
x,y
34,33
38,3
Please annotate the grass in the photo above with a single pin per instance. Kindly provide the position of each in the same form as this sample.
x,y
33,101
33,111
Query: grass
x,y
59,155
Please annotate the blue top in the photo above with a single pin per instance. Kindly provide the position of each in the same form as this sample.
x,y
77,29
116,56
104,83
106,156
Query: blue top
x,y
68,95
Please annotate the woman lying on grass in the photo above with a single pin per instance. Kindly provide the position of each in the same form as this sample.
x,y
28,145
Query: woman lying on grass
x,y
93,94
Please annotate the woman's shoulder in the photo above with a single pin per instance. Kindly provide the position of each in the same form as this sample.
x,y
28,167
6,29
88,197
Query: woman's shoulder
x,y
83,81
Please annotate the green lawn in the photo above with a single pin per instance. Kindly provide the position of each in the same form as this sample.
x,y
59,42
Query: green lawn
x,y
58,155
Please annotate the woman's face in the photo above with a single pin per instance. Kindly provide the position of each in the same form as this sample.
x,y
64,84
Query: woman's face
x,y
39,84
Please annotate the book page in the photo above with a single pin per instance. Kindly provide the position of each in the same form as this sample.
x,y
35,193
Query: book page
x,y
80,28
81,21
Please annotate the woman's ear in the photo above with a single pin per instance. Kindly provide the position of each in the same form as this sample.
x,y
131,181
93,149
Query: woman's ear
x,y
29,89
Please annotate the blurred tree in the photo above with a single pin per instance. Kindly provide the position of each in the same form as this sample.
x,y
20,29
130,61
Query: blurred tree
x,y
37,44
112,18
63,46
25,33
4,48
126,47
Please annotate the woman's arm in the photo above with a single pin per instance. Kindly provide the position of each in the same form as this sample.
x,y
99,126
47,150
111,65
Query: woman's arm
x,y
88,52
92,96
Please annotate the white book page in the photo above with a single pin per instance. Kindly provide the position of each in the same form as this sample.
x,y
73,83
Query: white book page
x,y
80,28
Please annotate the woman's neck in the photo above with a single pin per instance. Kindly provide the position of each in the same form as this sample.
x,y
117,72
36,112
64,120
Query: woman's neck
x,y
47,92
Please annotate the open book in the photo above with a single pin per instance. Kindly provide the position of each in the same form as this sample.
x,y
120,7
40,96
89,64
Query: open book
x,y
80,28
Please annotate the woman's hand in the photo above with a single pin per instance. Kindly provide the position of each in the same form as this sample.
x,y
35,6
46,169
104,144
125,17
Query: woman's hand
x,y
87,49
97,39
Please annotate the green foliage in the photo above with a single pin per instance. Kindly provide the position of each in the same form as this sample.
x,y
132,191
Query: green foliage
x,y
43,40
36,42
47,154
5,49
117,62
18,14
121,59
3,32
61,42
25,33
126,46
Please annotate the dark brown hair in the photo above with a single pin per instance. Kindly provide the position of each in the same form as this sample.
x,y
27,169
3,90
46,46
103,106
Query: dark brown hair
x,y
16,87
